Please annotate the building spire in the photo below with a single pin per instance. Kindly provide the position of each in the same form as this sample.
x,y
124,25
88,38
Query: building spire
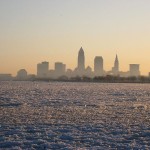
x,y
81,49
115,69
116,59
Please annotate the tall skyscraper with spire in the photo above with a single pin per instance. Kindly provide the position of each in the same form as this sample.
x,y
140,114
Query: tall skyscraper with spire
x,y
81,61
115,69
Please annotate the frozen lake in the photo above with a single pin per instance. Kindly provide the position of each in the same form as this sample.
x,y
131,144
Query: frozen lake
x,y
51,115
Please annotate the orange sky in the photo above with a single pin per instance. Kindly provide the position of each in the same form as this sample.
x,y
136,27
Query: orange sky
x,y
35,31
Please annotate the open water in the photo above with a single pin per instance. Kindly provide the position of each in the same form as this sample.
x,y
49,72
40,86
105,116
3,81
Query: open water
x,y
58,115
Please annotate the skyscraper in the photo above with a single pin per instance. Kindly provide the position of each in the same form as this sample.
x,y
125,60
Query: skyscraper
x,y
134,70
98,66
60,69
81,61
42,69
115,69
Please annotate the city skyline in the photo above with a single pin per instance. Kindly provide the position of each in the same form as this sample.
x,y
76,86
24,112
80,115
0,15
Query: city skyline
x,y
34,31
81,70
44,71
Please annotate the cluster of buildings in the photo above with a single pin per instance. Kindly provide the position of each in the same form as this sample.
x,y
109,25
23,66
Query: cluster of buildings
x,y
60,70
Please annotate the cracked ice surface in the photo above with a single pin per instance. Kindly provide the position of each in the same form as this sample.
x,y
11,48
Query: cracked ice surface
x,y
51,115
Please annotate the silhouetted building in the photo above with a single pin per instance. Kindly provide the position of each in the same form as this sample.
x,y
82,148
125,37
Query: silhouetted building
x,y
60,69
6,77
115,69
51,74
22,74
134,70
81,62
31,76
98,66
88,72
69,73
79,72
124,74
42,69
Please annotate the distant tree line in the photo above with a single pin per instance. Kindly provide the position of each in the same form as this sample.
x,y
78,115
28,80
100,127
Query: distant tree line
x,y
102,79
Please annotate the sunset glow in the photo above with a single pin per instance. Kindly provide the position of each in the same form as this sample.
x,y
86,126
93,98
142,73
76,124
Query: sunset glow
x,y
32,31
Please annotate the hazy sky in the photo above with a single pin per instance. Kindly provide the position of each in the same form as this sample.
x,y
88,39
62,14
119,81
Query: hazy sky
x,y
32,31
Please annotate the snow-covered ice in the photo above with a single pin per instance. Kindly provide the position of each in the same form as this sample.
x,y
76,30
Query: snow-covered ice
x,y
59,115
